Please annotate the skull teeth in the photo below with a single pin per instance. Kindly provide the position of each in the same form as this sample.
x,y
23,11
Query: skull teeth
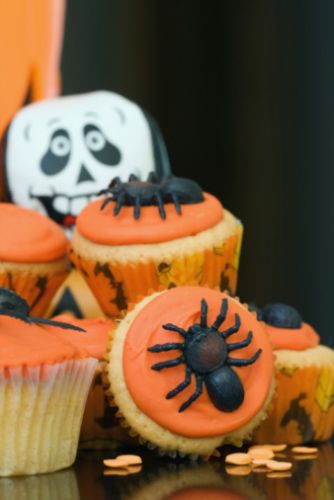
x,y
68,205
62,204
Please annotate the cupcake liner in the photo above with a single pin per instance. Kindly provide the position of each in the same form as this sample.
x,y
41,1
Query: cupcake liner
x,y
74,297
302,409
37,289
115,285
100,427
41,413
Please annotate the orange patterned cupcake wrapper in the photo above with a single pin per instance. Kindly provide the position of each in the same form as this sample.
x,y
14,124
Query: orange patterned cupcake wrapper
x,y
99,420
116,285
302,409
37,290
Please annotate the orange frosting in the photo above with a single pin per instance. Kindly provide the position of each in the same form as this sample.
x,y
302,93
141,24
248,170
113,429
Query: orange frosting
x,y
101,226
32,345
29,236
295,339
148,388
94,340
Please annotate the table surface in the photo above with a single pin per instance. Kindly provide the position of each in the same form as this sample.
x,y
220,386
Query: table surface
x,y
164,478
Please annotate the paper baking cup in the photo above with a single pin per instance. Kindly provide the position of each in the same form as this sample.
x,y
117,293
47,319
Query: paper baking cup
x,y
41,411
37,289
100,428
115,284
302,409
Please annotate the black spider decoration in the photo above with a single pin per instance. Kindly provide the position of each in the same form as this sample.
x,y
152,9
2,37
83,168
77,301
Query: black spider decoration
x,y
281,316
138,193
16,307
206,355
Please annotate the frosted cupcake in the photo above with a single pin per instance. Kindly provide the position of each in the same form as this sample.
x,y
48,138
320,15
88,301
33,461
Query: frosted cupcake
x,y
44,381
302,409
190,369
33,255
145,236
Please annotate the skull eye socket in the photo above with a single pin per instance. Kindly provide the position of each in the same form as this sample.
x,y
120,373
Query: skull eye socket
x,y
95,140
58,154
60,145
98,145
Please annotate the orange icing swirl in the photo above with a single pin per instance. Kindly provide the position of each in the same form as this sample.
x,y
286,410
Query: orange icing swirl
x,y
94,341
148,388
294,339
33,345
102,227
29,236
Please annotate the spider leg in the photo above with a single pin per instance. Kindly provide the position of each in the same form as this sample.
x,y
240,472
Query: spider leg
x,y
105,202
232,329
176,203
136,210
239,345
166,347
103,191
221,316
119,203
204,313
181,386
160,203
60,324
195,395
115,182
244,362
168,364
133,177
152,177
173,328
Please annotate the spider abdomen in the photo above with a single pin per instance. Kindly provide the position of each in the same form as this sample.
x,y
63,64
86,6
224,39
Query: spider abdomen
x,y
225,389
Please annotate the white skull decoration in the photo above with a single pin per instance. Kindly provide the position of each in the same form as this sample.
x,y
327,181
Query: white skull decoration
x,y
61,152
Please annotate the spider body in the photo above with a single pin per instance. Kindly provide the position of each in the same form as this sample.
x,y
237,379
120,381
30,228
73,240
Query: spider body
x,y
151,192
281,316
206,355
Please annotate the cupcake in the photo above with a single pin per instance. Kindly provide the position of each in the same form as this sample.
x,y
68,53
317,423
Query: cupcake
x,y
146,236
302,409
99,426
44,381
174,376
33,260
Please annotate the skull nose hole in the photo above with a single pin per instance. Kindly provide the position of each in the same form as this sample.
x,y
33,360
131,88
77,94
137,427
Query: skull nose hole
x,y
84,175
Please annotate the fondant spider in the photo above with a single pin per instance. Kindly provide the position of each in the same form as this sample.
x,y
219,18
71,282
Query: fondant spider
x,y
138,193
205,353
16,307
281,316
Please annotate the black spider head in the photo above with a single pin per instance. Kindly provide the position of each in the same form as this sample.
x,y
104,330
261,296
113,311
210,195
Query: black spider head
x,y
151,192
15,306
281,316
206,355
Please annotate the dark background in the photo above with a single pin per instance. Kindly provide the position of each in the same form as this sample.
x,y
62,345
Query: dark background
x,y
244,94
